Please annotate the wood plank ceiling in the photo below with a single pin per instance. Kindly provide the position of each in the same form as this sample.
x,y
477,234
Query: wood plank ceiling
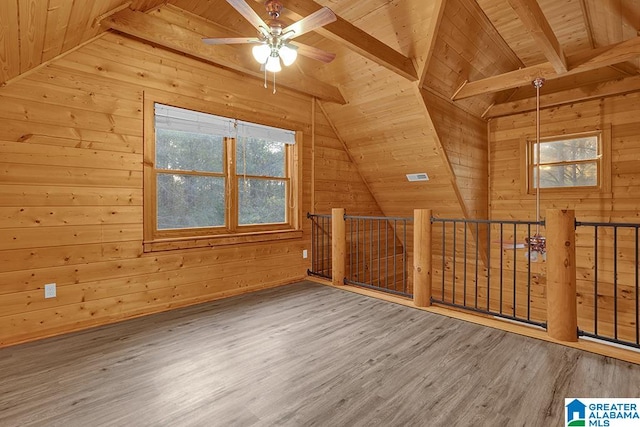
x,y
33,32
400,63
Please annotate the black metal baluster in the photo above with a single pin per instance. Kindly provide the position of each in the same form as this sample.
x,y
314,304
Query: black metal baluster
x,y
395,255
477,253
488,267
404,258
444,230
615,282
329,248
364,251
529,276
464,280
371,252
351,275
515,256
501,262
379,255
358,277
386,254
313,240
637,318
595,282
322,244
453,276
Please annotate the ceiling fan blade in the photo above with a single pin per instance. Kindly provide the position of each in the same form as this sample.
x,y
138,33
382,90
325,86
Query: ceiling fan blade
x,y
317,19
314,52
249,14
232,40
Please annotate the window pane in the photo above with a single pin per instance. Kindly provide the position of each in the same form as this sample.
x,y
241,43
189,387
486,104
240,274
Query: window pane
x,y
262,201
580,175
259,157
568,150
177,150
187,201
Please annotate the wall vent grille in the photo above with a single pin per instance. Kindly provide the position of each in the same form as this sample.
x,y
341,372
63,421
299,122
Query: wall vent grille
x,y
412,177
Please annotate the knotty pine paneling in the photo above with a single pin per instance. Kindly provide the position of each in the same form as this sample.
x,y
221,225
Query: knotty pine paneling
x,y
467,48
71,191
388,135
338,183
33,32
464,139
620,205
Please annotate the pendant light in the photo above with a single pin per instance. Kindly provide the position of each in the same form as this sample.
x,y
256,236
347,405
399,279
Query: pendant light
x,y
537,243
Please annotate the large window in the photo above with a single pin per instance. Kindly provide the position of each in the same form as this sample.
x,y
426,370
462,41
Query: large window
x,y
566,162
213,178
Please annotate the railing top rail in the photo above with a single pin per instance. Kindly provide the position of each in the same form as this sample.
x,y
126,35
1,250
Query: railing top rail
x,y
606,224
310,215
486,221
388,218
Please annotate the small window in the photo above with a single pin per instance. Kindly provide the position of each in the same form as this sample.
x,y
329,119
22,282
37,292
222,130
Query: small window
x,y
213,177
566,162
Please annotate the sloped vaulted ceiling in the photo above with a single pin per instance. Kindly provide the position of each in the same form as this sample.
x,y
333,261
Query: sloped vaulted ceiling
x,y
400,63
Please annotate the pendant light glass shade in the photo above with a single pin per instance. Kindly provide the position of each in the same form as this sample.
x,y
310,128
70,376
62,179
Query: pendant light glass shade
x,y
273,64
261,53
288,55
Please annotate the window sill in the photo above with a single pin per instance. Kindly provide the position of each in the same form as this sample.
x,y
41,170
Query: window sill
x,y
220,240
573,192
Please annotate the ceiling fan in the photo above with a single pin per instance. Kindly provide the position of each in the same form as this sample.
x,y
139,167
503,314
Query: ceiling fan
x,y
273,43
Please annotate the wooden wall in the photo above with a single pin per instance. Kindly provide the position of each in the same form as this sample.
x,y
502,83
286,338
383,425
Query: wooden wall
x,y
622,204
36,31
337,181
71,191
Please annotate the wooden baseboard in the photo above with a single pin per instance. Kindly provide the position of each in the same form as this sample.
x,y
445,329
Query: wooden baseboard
x,y
148,311
627,355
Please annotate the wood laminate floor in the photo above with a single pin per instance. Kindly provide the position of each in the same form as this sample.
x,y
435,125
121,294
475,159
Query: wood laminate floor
x,y
300,355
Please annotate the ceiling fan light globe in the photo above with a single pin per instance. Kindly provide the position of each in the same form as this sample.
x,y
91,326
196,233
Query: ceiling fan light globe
x,y
288,55
261,53
273,64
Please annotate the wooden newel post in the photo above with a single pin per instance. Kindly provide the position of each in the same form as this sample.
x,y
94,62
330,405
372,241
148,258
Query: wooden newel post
x,y
338,246
422,257
562,318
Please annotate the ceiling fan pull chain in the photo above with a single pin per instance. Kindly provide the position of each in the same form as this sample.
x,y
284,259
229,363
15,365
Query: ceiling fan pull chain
x,y
265,78
274,83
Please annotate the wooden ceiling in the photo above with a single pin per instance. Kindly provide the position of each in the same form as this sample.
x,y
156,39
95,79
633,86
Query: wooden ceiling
x,y
477,43
413,81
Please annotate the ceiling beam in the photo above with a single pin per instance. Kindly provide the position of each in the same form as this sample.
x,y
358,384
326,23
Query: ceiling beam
x,y
499,43
625,68
165,34
591,60
587,22
585,93
536,23
432,37
345,33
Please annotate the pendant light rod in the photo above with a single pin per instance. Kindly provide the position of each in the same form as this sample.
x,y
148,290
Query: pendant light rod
x,y
537,83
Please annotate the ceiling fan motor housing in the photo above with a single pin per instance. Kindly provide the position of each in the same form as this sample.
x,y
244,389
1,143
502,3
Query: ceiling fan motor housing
x,y
274,8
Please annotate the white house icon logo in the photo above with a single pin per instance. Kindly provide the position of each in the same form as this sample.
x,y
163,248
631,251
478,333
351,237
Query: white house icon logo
x,y
576,413
602,412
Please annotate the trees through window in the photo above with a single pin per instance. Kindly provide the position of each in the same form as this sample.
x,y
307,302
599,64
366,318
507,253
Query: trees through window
x,y
213,175
566,162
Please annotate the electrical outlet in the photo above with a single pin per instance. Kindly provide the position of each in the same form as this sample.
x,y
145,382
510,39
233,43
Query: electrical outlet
x,y
304,254
50,290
